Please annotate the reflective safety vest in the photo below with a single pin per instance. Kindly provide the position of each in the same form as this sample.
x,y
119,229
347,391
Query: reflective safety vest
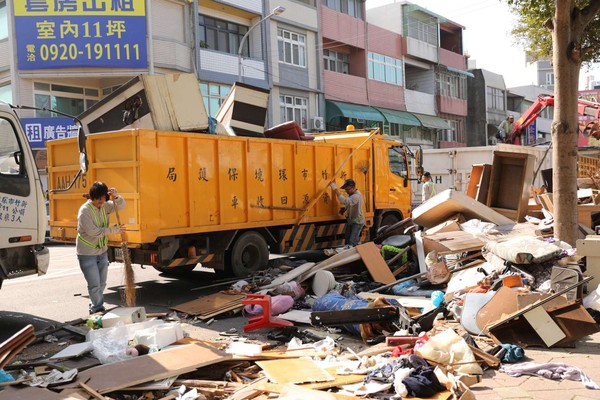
x,y
101,220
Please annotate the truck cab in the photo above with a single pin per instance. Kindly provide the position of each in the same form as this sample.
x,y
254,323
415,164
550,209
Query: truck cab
x,y
22,203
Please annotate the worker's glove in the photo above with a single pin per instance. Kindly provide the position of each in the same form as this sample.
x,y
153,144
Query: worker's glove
x,y
113,192
333,185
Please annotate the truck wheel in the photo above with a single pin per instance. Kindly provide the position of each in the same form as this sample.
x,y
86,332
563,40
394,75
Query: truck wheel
x,y
389,220
249,254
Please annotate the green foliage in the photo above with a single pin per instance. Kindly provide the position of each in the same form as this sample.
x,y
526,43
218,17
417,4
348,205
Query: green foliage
x,y
536,38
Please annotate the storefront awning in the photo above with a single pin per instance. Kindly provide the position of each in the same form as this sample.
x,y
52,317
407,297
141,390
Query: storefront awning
x,y
460,71
349,110
429,121
399,117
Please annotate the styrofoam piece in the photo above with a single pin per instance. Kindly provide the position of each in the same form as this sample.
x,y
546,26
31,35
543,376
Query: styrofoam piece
x,y
128,315
74,350
131,329
244,349
159,336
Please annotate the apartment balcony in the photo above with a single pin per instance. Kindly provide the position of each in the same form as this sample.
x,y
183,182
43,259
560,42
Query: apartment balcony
x,y
451,105
344,87
452,59
419,102
254,6
419,49
172,55
225,63
342,28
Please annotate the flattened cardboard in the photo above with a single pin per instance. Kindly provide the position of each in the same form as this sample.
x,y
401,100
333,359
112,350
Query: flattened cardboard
x,y
371,257
297,370
211,303
163,364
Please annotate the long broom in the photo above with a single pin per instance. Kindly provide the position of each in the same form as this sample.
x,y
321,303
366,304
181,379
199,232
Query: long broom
x,y
129,275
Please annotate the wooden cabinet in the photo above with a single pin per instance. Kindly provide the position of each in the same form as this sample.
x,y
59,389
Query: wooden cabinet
x,y
479,182
510,182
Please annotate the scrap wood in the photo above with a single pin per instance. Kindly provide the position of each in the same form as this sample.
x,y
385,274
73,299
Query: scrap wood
x,y
69,325
91,391
283,390
488,359
299,370
217,302
339,380
285,354
376,265
163,364
15,344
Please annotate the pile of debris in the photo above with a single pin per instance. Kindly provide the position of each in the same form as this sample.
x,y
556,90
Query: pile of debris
x,y
433,300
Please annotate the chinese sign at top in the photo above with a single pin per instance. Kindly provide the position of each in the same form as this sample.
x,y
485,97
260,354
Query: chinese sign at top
x,y
80,33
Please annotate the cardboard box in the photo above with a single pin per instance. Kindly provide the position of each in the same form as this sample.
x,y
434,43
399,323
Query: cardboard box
x,y
128,315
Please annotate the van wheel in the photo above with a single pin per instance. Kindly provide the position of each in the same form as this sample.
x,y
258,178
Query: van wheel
x,y
249,254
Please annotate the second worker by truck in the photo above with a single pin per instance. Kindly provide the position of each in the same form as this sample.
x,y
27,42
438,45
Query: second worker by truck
x,y
353,210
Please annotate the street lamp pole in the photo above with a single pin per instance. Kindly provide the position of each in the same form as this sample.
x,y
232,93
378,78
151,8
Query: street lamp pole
x,y
276,11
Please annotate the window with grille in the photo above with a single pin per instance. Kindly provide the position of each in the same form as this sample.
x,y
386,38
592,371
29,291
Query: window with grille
x,y
294,108
222,35
452,85
292,47
336,61
385,69
423,31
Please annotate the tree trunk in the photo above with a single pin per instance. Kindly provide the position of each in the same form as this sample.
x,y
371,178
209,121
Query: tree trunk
x,y
564,125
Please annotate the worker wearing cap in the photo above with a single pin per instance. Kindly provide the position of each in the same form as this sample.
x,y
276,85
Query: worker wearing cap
x,y
505,128
354,210
428,190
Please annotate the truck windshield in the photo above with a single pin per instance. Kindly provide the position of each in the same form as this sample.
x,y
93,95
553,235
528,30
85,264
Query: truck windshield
x,y
13,175
9,149
398,162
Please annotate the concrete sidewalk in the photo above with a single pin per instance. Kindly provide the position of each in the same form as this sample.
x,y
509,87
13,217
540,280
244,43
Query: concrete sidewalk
x,y
586,356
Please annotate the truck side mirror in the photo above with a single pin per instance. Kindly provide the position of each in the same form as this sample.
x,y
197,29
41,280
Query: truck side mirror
x,y
18,156
83,160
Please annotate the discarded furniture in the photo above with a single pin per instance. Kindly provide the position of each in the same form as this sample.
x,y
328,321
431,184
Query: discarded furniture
x,y
479,182
511,177
265,320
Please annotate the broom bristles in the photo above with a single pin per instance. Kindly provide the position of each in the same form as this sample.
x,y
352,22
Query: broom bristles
x,y
130,293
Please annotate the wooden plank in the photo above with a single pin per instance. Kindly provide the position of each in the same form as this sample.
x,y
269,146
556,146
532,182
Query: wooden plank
x,y
339,380
163,364
378,268
406,301
298,370
210,303
544,326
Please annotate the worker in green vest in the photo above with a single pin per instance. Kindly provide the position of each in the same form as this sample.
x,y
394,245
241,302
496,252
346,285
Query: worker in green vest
x,y
93,228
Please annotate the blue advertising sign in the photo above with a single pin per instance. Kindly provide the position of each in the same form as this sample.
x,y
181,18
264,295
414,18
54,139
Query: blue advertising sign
x,y
532,133
80,33
40,130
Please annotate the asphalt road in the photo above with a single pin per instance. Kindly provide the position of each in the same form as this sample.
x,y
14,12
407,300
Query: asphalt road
x,y
61,294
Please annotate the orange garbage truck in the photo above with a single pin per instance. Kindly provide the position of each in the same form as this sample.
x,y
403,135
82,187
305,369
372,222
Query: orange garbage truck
x,y
226,202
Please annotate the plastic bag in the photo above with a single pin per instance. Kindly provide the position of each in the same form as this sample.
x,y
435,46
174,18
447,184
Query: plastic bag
x,y
111,346
449,348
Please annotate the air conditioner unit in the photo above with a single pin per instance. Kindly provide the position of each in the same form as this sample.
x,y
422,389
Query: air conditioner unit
x,y
318,123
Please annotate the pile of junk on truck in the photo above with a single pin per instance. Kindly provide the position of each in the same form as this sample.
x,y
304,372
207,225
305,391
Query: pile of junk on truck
x,y
433,302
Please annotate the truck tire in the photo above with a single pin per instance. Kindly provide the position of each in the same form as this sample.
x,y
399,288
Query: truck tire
x,y
249,254
389,220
